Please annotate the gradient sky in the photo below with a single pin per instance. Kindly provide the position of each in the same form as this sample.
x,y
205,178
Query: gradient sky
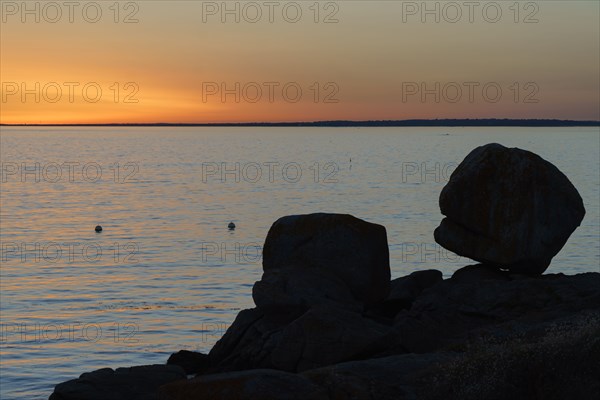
x,y
374,53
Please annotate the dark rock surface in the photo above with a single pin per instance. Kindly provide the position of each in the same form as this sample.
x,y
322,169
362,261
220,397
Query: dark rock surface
x,y
509,208
408,288
386,378
302,286
458,310
403,292
263,384
393,378
353,250
480,334
555,361
559,360
322,335
192,362
135,383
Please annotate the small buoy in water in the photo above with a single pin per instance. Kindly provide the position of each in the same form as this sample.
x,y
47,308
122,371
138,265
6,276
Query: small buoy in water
x,y
98,228
231,226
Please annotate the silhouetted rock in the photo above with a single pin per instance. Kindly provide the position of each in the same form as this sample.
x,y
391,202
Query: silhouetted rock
x,y
302,286
556,361
387,378
191,361
515,366
258,384
248,332
353,250
407,288
509,208
320,270
322,335
134,383
515,329
403,292
458,310
477,273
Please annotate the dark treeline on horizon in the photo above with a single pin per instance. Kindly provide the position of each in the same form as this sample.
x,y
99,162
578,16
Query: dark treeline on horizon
x,y
491,122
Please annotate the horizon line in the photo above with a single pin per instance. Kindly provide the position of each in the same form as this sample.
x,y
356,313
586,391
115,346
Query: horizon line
x,y
438,122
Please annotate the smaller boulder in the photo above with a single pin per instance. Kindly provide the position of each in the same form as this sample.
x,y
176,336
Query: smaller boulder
x,y
354,251
301,286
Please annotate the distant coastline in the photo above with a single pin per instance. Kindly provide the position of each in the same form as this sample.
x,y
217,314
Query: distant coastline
x,y
488,122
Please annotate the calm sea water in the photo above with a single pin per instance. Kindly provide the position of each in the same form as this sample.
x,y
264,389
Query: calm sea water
x,y
165,273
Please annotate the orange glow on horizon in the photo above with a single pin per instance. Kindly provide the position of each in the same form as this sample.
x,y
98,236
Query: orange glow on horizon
x,y
180,64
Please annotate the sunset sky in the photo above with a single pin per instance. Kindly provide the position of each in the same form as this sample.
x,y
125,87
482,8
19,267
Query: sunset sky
x,y
372,60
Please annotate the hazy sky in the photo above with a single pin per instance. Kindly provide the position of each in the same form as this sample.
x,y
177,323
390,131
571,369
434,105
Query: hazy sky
x,y
177,61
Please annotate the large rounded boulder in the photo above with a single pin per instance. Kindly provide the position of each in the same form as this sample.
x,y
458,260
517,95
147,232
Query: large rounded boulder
x,y
508,208
343,248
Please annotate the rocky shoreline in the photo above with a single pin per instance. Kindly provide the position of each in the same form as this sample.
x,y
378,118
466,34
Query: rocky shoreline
x,y
330,324
472,336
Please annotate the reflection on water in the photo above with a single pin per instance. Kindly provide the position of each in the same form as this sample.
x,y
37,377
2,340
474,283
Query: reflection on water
x,y
166,273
